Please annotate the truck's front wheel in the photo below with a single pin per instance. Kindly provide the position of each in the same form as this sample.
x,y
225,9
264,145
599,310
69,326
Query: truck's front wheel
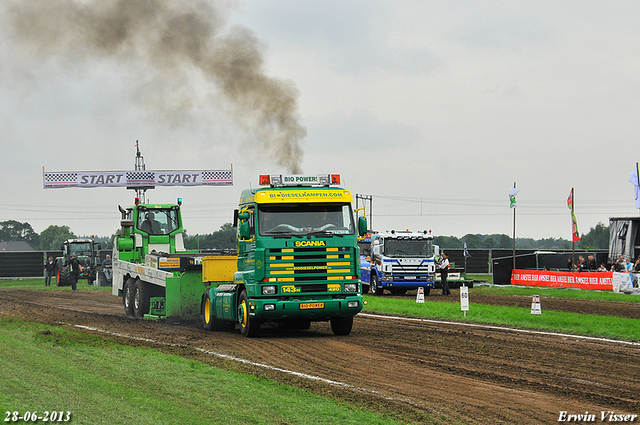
x,y
248,326
375,286
141,299
341,325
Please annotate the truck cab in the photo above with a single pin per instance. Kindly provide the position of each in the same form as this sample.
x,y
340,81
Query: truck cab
x,y
147,228
400,261
298,258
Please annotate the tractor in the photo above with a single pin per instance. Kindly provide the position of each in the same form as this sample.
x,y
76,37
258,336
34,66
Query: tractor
x,y
88,253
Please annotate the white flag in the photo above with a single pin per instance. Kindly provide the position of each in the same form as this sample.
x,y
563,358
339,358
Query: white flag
x,y
634,179
512,197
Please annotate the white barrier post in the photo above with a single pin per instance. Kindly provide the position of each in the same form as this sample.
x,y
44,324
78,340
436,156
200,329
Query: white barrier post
x,y
464,299
535,305
420,296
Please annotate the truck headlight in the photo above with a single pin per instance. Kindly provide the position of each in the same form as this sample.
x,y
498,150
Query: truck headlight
x,y
350,287
269,290
353,304
269,307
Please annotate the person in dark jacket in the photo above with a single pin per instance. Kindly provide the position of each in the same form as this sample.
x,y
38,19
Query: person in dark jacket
x,y
49,270
76,269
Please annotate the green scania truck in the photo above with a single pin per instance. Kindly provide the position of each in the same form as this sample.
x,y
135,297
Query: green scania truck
x,y
297,260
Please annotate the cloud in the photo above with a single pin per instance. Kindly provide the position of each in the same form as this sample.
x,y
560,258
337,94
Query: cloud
x,y
359,130
514,33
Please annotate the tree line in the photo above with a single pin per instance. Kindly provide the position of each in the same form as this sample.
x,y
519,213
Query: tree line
x,y
225,238
596,238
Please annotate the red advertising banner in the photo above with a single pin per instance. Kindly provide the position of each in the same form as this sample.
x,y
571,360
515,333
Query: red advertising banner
x,y
583,280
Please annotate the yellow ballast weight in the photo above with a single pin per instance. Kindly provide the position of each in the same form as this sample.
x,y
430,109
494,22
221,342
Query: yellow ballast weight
x,y
218,268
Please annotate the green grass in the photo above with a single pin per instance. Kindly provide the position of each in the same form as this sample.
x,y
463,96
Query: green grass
x,y
46,368
99,381
518,317
556,293
18,283
38,283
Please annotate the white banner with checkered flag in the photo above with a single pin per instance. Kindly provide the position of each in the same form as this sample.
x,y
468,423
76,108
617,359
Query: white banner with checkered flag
x,y
137,179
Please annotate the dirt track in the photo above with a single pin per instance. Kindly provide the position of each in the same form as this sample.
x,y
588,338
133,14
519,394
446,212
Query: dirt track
x,y
417,369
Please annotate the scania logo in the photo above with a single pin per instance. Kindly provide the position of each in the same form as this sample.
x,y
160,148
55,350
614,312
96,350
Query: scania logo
x,y
309,243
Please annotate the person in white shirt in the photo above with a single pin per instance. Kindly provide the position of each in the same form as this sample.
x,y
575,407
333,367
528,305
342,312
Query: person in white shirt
x,y
444,271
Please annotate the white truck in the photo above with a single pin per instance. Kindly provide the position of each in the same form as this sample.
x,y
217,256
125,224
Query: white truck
x,y
400,261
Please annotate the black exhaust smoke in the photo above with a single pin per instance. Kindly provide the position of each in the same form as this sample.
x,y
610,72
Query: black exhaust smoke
x,y
177,39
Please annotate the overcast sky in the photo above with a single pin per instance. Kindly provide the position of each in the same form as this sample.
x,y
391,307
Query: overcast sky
x,y
434,108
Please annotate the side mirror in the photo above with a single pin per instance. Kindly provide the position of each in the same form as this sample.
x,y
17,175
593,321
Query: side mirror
x,y
235,218
362,226
245,231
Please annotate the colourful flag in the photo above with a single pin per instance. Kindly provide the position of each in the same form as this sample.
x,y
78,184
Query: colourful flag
x,y
634,179
574,221
512,197
466,251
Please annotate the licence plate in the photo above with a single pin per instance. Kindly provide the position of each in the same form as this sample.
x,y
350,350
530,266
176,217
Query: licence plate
x,y
409,277
307,306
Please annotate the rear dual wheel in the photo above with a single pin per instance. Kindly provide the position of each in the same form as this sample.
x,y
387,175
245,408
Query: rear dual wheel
x,y
141,299
127,296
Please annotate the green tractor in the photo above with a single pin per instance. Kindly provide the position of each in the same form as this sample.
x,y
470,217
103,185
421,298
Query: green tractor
x,y
88,253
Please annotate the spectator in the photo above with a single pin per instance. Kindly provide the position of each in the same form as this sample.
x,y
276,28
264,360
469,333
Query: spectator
x,y
602,268
618,265
582,264
444,272
570,264
591,263
628,266
49,270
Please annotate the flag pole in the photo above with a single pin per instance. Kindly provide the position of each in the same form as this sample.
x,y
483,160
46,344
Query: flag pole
x,y
637,177
514,233
573,239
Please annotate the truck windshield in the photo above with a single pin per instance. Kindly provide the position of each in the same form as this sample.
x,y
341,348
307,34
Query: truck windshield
x,y
420,248
305,219
81,249
158,221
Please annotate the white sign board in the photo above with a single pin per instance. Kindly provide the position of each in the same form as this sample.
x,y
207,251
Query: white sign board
x,y
464,298
137,179
420,296
535,305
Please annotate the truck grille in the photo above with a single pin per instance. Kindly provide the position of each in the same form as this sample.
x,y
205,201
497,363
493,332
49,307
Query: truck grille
x,y
411,272
310,264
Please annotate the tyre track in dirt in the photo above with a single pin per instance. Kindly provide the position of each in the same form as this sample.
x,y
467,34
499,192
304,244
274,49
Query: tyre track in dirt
x,y
417,370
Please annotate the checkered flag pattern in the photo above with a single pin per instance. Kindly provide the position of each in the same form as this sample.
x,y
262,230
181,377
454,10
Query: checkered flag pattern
x,y
60,180
141,178
138,178
219,177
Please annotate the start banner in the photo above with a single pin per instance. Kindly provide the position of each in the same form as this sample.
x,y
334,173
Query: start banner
x,y
137,179
583,280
